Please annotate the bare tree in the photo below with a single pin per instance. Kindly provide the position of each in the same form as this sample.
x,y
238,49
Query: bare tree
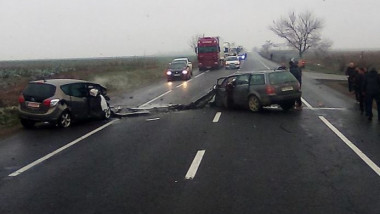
x,y
194,41
300,31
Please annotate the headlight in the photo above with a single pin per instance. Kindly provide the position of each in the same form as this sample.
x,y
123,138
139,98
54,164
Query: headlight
x,y
184,72
169,73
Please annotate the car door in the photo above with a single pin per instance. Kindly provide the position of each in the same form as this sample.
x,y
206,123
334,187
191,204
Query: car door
x,y
257,85
79,100
241,89
222,91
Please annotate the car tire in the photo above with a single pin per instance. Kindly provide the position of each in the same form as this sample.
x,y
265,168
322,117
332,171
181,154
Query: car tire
x,y
64,120
287,105
28,124
107,113
254,104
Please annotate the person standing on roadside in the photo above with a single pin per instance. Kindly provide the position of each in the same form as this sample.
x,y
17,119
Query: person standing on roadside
x,y
359,91
371,88
350,72
296,71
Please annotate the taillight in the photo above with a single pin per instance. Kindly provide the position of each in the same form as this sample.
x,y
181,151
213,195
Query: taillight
x,y
50,102
21,99
270,90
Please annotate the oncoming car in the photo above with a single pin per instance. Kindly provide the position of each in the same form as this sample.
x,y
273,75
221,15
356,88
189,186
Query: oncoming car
x,y
257,89
178,70
59,101
232,62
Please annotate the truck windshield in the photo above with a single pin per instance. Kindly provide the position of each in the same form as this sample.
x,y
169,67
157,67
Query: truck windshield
x,y
208,49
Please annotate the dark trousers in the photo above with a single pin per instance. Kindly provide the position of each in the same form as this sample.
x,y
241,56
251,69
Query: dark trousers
x,y
369,102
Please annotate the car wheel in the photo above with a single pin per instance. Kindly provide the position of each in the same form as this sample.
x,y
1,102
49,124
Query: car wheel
x,y
64,120
28,124
107,113
288,105
254,103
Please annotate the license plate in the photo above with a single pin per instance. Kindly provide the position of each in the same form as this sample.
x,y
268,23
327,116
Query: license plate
x,y
177,75
289,88
33,105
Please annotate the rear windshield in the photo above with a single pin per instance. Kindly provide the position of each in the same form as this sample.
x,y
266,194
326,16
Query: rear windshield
x,y
39,91
281,77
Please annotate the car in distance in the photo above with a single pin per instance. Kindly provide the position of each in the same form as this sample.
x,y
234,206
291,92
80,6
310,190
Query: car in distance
x,y
186,60
257,89
59,101
232,62
178,70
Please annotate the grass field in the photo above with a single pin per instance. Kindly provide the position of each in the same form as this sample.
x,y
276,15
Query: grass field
x,y
117,74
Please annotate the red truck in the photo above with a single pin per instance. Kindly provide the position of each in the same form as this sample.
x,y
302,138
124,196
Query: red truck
x,y
208,53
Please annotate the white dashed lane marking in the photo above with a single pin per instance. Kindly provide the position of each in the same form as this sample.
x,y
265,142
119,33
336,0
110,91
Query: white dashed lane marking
x,y
217,117
194,165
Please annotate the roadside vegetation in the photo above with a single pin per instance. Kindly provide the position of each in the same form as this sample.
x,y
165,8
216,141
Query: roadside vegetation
x,y
117,74
332,62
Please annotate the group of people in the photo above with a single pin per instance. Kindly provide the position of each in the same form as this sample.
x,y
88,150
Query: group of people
x,y
366,85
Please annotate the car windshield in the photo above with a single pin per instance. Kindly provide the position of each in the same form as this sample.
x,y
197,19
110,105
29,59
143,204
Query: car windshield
x,y
179,61
179,65
233,58
207,49
281,77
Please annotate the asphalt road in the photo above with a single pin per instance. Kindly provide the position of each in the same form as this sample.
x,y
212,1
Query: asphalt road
x,y
321,159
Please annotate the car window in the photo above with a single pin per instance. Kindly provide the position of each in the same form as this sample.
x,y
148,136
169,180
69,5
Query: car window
x,y
39,91
281,77
242,79
66,89
78,90
228,80
257,79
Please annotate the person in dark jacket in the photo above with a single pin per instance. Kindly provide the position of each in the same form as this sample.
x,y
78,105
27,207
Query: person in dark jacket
x,y
351,72
359,82
371,88
296,71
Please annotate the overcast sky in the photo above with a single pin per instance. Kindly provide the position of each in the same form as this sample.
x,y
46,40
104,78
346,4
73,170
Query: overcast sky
x,y
42,29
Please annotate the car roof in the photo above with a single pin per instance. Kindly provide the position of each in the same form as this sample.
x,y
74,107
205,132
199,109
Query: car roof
x,y
59,82
182,58
239,73
258,72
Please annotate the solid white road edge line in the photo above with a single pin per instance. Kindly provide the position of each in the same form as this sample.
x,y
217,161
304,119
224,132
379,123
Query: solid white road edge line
x,y
154,99
217,116
263,63
194,165
199,75
307,104
153,119
364,157
27,167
